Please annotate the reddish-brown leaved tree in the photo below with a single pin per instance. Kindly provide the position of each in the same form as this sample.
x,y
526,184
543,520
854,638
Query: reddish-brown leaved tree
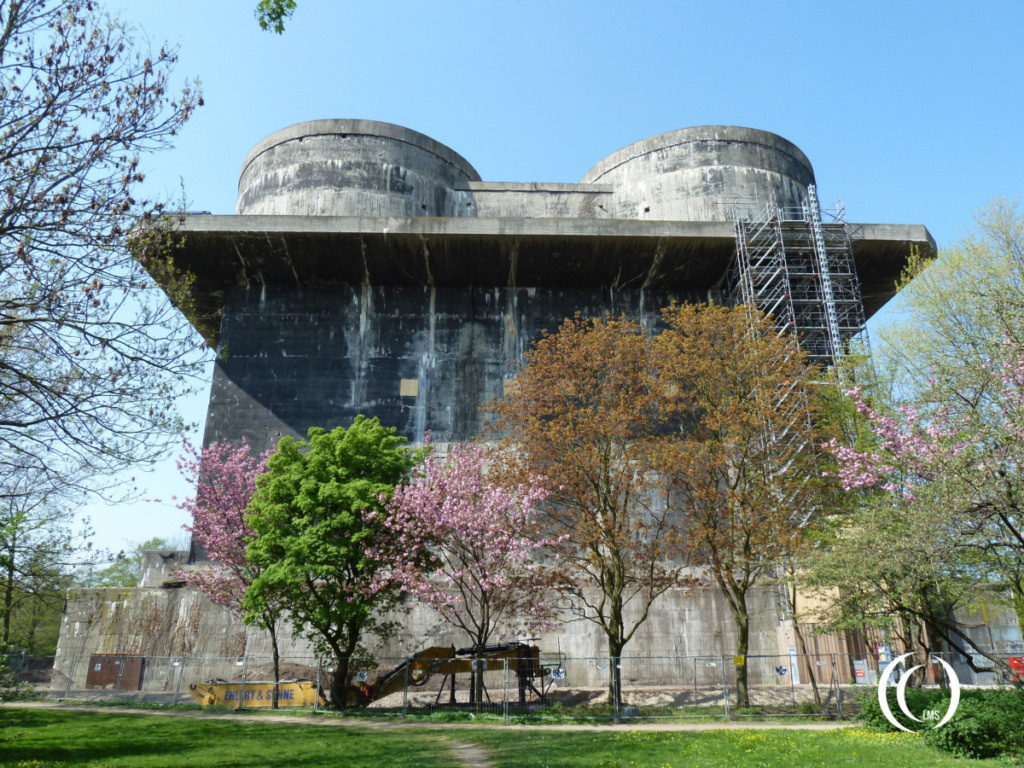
x,y
586,411
745,470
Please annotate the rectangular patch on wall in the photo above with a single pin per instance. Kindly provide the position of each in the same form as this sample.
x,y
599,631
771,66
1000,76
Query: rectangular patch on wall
x,y
410,388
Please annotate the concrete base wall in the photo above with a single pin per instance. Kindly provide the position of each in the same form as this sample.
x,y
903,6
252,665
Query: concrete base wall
x,y
181,622
168,624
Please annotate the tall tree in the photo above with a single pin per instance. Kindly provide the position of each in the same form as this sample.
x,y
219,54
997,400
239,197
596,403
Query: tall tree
x,y
460,541
952,477
954,349
92,354
956,311
312,536
38,546
586,412
745,469
225,480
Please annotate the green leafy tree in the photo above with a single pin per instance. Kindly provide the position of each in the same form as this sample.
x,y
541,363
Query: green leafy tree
x,y
954,354
955,313
38,546
125,569
271,14
310,515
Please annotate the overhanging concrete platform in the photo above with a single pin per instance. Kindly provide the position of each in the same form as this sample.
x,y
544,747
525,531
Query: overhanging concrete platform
x,y
616,254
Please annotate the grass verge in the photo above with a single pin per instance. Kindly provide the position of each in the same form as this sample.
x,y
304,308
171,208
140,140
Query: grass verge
x,y
44,738
62,739
854,747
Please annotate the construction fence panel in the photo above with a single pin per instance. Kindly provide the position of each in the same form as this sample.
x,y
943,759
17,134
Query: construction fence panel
x,y
649,687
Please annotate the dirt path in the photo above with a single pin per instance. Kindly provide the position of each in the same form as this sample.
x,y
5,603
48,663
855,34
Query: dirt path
x,y
470,755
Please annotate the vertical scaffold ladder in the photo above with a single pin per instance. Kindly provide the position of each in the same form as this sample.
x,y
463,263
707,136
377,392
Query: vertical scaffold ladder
x,y
835,340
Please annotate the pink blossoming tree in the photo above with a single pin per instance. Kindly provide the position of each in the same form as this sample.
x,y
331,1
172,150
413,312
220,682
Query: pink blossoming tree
x,y
225,479
954,478
464,544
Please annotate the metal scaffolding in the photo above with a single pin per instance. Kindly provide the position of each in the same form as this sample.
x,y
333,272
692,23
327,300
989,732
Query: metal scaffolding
x,y
796,264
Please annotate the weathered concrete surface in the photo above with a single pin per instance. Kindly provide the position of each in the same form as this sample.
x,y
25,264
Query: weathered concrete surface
x,y
533,200
371,271
609,255
695,174
319,356
352,168
159,566
181,622
680,648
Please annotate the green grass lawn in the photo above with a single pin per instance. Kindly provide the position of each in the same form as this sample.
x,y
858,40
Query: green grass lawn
x,y
713,749
50,738
37,738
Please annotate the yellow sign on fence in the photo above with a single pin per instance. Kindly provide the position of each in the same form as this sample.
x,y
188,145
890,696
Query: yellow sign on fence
x,y
255,694
739,661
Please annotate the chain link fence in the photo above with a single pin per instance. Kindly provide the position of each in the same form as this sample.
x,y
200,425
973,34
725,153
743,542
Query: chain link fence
x,y
514,681
22,673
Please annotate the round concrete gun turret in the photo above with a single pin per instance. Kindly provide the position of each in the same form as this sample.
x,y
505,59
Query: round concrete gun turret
x,y
702,173
351,168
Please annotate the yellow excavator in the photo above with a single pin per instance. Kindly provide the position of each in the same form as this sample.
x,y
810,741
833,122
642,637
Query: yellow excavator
x,y
524,661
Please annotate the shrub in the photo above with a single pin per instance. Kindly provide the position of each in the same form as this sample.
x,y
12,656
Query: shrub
x,y
918,700
986,724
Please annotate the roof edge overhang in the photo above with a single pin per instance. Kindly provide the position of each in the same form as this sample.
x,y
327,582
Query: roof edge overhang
x,y
224,251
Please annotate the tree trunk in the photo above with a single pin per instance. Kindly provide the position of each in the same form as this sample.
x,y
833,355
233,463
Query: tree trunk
x,y
614,631
272,628
476,694
342,662
8,602
1018,603
802,645
339,683
742,646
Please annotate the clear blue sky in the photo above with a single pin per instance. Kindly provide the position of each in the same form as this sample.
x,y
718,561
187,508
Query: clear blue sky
x,y
912,112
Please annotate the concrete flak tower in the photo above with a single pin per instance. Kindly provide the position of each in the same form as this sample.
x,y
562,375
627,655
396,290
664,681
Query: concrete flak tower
x,y
368,269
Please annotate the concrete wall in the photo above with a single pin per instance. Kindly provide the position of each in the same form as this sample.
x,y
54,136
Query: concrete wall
x,y
179,622
297,357
170,623
693,174
502,200
351,168
159,566
367,168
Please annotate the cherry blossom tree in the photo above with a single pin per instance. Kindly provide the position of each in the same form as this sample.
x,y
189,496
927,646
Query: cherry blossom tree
x,y
463,543
93,354
225,478
954,479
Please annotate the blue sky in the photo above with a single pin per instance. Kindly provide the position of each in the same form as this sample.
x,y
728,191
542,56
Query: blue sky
x,y
912,112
